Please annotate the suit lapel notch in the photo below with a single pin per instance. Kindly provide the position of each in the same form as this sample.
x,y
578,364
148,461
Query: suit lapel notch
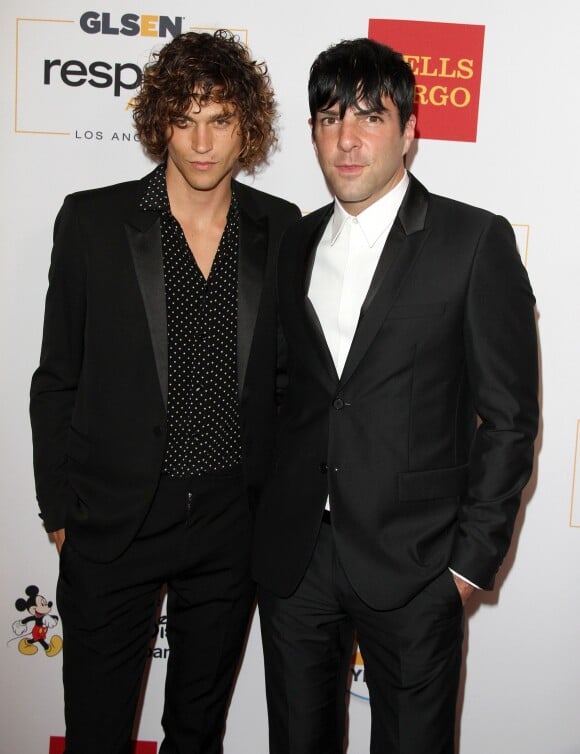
x,y
312,322
253,252
144,238
401,249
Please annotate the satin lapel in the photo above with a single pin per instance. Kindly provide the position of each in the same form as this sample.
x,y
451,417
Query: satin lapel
x,y
145,244
401,249
312,323
251,267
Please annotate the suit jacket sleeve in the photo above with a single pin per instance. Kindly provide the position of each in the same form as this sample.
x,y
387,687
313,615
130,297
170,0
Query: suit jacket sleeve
x,y
54,384
502,368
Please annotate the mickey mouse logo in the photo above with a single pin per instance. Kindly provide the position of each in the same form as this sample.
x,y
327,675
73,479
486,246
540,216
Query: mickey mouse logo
x,y
39,616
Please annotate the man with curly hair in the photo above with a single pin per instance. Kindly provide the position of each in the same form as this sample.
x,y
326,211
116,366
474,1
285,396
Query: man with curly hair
x,y
152,407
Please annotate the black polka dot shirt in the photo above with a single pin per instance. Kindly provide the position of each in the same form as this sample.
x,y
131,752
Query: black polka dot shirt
x,y
203,409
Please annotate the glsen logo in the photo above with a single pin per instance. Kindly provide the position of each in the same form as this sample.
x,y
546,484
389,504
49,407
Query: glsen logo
x,y
446,60
131,24
358,686
71,81
57,743
575,502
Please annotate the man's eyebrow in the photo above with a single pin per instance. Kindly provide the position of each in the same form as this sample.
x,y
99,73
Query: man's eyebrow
x,y
358,111
223,114
370,110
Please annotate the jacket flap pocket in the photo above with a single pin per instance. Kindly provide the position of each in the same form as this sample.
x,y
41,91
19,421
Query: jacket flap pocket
x,y
432,484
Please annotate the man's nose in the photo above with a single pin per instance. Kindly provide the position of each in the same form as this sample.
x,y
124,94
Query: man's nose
x,y
201,139
348,136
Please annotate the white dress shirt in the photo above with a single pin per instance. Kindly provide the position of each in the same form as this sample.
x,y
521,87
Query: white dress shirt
x,y
344,266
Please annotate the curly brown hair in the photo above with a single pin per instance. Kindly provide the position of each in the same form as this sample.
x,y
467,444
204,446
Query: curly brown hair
x,y
218,68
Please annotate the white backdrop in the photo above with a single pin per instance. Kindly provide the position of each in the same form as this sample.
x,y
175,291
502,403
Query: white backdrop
x,y
60,133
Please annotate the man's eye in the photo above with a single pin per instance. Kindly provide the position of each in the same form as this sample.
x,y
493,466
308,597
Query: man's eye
x,y
328,120
181,122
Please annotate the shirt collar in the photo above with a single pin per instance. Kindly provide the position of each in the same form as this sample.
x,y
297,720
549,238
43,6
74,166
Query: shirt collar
x,y
374,220
155,198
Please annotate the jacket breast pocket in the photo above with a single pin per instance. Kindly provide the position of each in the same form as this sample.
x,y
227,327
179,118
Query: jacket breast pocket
x,y
410,324
417,311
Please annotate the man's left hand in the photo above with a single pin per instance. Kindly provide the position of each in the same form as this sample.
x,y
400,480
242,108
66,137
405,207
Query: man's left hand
x,y
464,588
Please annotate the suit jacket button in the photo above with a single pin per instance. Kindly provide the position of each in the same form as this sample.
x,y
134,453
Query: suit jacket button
x,y
157,431
338,403
323,468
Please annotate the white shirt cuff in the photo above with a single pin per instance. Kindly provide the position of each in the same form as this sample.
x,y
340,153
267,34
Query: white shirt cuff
x,y
463,578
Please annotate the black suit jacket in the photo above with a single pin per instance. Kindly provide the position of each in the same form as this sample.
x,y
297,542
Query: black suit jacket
x,y
426,440
99,396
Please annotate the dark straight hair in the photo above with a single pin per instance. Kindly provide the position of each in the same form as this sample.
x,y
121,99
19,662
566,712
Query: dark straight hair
x,y
359,73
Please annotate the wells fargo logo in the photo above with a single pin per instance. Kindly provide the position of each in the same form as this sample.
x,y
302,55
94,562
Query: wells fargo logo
x,y
446,60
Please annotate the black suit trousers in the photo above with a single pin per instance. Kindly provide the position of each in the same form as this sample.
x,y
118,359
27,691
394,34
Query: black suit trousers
x,y
195,540
412,660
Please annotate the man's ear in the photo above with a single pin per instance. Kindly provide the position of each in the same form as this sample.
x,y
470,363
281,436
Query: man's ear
x,y
312,135
409,132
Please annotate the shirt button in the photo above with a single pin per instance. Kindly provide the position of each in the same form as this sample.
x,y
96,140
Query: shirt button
x,y
338,403
323,468
157,431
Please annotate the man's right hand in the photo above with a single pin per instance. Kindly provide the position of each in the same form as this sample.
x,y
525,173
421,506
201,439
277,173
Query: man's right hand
x,y
58,539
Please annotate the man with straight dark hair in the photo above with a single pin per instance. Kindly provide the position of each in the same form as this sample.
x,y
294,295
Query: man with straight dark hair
x,y
406,432
153,405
